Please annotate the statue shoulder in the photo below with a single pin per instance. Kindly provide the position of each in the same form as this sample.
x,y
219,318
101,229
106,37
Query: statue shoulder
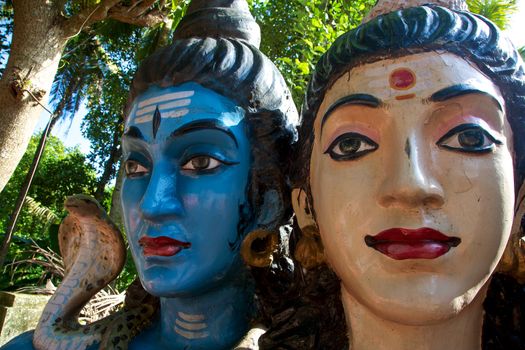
x,y
23,341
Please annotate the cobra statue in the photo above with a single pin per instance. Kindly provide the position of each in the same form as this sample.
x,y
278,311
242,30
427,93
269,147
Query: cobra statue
x,y
94,254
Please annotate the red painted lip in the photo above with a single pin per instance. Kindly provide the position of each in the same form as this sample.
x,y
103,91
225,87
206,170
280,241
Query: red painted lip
x,y
404,243
161,246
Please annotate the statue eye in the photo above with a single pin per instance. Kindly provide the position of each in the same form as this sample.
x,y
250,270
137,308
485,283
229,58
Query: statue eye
x,y
134,169
469,138
350,146
201,163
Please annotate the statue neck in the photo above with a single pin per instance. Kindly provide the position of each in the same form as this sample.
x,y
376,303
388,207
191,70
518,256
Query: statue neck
x,y
369,331
216,319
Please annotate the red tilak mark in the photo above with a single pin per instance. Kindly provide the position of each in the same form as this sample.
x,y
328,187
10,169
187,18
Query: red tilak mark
x,y
405,97
402,79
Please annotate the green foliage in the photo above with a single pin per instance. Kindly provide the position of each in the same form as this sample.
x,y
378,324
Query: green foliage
x,y
128,274
104,118
6,30
62,172
161,35
41,212
296,33
498,11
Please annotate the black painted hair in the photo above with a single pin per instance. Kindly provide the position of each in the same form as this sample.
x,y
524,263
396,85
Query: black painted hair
x,y
414,30
239,71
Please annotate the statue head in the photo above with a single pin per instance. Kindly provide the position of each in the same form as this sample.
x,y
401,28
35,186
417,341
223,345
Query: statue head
x,y
209,122
409,159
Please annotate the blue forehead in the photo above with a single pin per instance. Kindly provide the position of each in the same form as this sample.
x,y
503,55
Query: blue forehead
x,y
159,111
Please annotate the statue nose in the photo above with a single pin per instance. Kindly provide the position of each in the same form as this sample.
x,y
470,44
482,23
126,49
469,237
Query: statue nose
x,y
409,180
162,196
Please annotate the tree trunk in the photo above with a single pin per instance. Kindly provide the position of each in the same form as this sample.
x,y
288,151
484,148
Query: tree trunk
x,y
36,48
108,172
39,37
13,220
115,213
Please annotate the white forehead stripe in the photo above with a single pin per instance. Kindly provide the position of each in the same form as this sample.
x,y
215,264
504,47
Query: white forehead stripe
x,y
169,105
144,119
176,113
171,114
166,97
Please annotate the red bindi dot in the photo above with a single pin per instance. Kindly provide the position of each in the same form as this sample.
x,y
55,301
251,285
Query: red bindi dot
x,y
402,79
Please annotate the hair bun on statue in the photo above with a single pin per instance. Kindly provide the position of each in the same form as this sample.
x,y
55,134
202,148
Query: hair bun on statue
x,y
385,6
219,19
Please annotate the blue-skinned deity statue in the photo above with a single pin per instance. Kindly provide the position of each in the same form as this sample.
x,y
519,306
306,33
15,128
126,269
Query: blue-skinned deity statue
x,y
208,129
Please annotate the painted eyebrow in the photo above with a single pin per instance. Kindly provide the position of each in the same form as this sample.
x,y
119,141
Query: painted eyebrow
x,y
460,90
354,99
134,132
204,124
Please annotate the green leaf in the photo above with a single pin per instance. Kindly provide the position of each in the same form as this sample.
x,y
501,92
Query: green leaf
x,y
498,11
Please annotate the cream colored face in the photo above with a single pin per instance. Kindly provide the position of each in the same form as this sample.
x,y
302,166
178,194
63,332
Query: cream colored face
x,y
412,182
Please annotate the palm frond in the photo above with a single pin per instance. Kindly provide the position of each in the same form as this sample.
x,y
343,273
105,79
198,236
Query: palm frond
x,y
105,302
498,11
41,212
79,67
46,258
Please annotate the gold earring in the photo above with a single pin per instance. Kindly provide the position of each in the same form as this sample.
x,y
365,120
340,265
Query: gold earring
x,y
258,247
309,250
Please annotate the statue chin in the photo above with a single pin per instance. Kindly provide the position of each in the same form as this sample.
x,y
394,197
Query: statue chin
x,y
163,283
419,308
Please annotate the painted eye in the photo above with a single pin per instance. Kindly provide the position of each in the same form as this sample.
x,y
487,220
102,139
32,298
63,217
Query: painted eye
x,y
350,146
469,138
201,163
134,169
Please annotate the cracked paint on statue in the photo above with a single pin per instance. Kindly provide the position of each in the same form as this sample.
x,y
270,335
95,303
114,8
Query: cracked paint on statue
x,y
187,161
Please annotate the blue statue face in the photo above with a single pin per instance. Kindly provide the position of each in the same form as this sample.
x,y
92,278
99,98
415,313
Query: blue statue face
x,y
187,160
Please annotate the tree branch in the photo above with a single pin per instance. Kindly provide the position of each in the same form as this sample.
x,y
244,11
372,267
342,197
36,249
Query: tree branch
x,y
141,7
87,16
150,19
139,13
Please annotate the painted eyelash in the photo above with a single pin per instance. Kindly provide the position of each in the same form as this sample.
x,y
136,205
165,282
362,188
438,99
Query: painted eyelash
x,y
196,155
362,138
463,127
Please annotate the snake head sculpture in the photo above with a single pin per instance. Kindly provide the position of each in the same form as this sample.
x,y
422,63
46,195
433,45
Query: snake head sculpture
x,y
94,253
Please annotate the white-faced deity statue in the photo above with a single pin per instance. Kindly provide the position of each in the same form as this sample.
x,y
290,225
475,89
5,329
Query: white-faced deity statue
x,y
412,137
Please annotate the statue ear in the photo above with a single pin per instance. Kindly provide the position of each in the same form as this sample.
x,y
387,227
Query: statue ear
x,y
259,245
302,209
309,250
513,260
